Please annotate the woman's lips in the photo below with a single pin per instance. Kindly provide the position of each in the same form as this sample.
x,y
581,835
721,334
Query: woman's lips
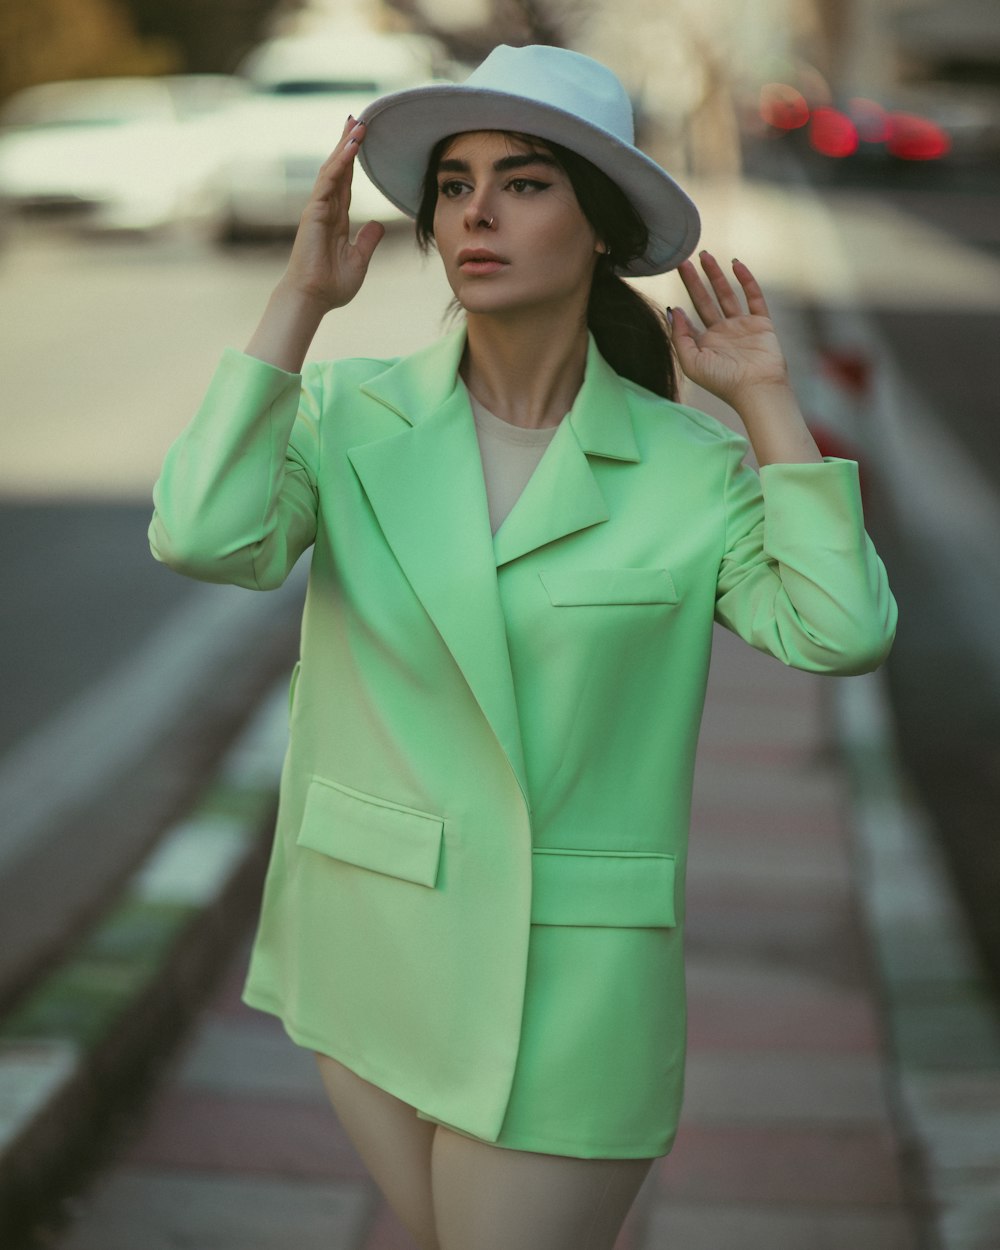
x,y
483,266
479,261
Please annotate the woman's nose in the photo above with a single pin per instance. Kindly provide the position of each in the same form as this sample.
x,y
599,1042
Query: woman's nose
x,y
477,211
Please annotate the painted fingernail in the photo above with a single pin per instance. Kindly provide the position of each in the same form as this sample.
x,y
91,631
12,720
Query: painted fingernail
x,y
670,315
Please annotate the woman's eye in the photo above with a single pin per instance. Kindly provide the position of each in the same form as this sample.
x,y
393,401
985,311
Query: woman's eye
x,y
453,188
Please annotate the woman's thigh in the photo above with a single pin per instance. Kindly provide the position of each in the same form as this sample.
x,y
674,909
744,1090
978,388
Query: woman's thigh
x,y
491,1198
393,1143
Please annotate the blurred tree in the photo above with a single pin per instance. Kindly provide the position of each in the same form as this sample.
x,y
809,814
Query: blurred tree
x,y
470,32
41,40
834,21
45,39
211,35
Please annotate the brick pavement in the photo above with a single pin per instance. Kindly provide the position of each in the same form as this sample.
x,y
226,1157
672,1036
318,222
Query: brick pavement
x,y
788,1139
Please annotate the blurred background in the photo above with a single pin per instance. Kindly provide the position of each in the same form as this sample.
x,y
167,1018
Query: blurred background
x,y
154,158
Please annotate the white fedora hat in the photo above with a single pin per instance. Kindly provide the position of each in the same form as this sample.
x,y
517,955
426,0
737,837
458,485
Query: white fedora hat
x,y
556,94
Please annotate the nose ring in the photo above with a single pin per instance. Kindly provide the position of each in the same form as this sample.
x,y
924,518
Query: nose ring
x,y
489,224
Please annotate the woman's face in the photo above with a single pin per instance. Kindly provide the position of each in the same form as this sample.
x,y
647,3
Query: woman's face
x,y
539,253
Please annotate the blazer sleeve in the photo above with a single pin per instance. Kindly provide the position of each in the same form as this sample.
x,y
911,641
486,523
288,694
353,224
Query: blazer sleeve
x,y
236,498
800,578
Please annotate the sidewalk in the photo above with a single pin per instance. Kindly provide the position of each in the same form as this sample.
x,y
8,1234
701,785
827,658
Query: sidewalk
x,y
788,1141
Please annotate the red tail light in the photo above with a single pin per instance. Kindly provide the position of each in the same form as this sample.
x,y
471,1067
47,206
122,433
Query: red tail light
x,y
832,133
914,138
782,107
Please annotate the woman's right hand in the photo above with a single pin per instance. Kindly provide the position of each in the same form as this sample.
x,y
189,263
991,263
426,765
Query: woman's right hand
x,y
325,267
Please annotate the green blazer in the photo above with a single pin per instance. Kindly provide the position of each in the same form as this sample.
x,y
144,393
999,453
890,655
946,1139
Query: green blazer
x,y
475,897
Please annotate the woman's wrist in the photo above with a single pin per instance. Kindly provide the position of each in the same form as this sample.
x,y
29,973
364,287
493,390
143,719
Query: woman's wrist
x,y
775,425
287,328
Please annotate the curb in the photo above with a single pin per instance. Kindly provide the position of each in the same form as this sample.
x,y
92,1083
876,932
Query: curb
x,y
80,1038
942,1026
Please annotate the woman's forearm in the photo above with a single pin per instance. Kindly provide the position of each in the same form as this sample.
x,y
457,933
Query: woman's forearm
x,y
776,427
286,330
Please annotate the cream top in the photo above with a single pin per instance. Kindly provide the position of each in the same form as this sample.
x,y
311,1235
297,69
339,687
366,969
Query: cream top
x,y
510,454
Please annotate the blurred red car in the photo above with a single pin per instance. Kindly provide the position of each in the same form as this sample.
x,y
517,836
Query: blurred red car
x,y
929,125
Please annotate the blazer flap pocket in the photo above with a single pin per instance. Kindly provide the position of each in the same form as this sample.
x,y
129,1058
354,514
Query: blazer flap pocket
x,y
371,833
627,889
573,587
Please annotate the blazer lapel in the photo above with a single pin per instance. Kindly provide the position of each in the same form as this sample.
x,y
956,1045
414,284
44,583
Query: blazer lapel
x,y
425,485
563,495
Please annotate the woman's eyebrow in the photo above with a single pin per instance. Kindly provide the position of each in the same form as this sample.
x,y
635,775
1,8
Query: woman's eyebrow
x,y
516,161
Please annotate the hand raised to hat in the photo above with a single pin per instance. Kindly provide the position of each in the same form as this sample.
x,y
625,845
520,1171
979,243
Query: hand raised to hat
x,y
737,357
325,265
325,269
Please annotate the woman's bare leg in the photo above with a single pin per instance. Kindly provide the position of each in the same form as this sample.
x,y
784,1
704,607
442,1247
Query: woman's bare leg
x,y
490,1198
394,1145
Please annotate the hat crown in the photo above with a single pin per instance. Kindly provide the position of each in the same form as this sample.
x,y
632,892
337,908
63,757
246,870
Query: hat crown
x,y
561,79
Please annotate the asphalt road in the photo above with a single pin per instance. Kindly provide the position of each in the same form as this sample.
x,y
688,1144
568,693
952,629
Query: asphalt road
x,y
945,687
82,590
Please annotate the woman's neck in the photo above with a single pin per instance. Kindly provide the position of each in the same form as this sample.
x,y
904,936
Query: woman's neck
x,y
525,372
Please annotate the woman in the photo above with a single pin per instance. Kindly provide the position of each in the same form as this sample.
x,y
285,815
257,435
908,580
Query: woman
x,y
474,908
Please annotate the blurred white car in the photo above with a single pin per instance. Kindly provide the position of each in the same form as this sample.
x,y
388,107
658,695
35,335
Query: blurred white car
x,y
304,89
120,153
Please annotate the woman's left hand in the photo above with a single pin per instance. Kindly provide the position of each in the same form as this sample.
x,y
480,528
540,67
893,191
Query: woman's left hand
x,y
738,351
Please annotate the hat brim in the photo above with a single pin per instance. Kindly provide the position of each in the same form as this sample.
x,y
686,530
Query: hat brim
x,y
403,127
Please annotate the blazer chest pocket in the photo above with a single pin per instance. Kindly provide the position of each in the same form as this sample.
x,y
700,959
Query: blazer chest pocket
x,y
621,889
581,587
371,833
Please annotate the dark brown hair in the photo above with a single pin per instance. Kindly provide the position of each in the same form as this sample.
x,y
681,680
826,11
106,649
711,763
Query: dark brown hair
x,y
630,331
